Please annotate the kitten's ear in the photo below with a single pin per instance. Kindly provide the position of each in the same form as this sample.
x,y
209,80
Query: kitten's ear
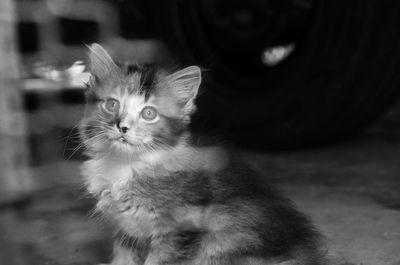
x,y
185,86
101,64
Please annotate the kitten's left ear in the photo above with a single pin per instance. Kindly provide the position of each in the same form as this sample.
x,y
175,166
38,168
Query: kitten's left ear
x,y
185,86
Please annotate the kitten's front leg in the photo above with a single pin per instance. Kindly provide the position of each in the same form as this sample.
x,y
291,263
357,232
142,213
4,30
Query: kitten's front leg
x,y
159,257
124,256
161,251
175,248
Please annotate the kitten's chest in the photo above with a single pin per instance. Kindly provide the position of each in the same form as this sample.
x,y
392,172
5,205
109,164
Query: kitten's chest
x,y
110,184
100,175
140,205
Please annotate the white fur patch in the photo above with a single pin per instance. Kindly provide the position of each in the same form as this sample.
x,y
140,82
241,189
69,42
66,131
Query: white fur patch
x,y
187,158
101,174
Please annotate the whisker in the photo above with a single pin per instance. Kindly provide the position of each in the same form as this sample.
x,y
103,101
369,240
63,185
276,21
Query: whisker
x,y
69,137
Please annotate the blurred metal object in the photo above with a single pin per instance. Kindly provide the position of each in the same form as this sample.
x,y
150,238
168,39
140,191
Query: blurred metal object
x,y
272,56
74,76
14,175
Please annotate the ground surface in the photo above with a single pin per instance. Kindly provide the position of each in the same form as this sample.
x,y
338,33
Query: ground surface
x,y
351,190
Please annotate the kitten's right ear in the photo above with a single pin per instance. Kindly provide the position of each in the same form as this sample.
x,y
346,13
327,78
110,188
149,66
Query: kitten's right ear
x,y
101,64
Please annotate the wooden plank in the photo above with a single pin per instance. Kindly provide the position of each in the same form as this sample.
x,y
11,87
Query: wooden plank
x,y
14,174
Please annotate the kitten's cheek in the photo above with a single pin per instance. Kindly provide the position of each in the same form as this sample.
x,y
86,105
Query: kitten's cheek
x,y
147,139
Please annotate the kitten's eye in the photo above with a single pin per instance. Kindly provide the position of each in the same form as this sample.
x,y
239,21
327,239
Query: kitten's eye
x,y
149,113
112,105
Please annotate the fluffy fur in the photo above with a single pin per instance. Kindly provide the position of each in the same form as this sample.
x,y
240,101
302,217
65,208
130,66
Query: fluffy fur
x,y
173,201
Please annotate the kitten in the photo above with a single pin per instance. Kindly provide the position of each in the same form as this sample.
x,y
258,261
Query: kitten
x,y
171,199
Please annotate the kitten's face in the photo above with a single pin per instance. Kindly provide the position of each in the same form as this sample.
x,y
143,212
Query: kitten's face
x,y
133,110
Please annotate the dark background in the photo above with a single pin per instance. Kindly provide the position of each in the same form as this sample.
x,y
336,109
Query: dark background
x,y
341,76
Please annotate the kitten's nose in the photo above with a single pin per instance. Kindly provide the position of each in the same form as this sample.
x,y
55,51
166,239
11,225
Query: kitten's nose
x,y
123,127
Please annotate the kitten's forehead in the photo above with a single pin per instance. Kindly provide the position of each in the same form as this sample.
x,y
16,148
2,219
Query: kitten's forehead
x,y
131,80
131,84
134,103
140,79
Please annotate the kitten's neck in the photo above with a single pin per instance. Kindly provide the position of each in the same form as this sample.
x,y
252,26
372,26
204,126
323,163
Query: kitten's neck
x,y
181,157
185,157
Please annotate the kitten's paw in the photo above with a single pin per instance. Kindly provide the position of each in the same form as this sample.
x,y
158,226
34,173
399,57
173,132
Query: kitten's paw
x,y
123,199
124,203
105,200
105,194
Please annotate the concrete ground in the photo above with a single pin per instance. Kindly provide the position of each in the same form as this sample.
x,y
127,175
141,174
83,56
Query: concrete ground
x,y
351,190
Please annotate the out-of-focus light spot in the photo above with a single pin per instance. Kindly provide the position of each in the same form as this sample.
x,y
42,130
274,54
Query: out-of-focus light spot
x,y
272,56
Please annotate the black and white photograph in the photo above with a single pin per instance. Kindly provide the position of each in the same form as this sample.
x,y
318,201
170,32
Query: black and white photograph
x,y
199,132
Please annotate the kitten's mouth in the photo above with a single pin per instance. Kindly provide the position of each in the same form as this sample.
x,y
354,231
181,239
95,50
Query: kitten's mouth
x,y
122,139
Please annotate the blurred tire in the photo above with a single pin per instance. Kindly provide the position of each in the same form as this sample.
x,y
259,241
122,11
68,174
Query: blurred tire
x,y
342,76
